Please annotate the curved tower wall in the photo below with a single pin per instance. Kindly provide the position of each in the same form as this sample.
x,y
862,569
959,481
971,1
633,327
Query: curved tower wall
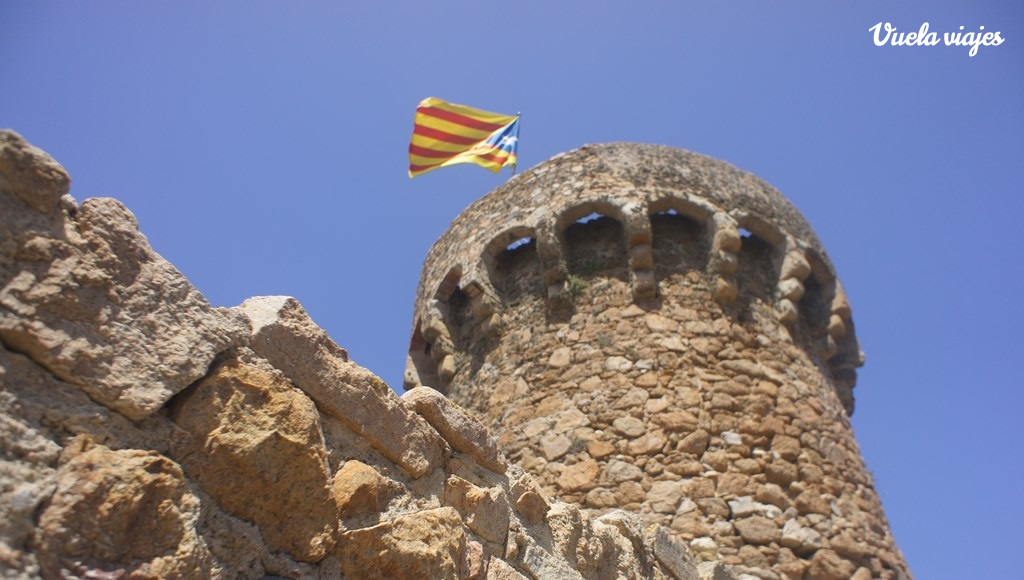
x,y
651,329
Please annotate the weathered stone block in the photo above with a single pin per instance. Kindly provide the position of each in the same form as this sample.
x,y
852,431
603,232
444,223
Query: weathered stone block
x,y
827,565
676,421
664,496
673,556
460,429
255,444
126,512
800,539
486,511
649,443
757,530
70,277
580,476
617,471
425,544
284,334
359,489
31,174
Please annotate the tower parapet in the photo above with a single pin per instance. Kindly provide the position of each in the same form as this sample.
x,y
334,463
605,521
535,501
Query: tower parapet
x,y
652,329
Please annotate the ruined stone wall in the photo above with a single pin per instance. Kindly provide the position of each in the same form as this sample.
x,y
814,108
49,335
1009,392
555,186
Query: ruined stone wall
x,y
652,330
144,434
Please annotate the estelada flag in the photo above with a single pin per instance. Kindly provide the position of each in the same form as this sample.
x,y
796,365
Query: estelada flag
x,y
445,134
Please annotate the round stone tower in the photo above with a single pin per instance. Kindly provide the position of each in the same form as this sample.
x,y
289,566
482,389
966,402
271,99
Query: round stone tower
x,y
654,330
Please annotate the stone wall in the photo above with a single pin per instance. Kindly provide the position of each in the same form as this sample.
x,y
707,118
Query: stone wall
x,y
144,434
652,330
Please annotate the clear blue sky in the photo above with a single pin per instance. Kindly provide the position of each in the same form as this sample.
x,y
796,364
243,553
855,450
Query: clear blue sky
x,y
262,146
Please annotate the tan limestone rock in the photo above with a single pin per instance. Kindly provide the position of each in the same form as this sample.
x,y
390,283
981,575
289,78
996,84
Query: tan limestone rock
x,y
568,419
40,414
618,471
256,446
30,173
600,497
84,295
793,568
284,334
659,323
684,467
718,460
773,494
695,443
648,443
359,489
629,426
655,406
425,544
629,493
664,496
781,473
486,510
560,357
121,513
606,547
786,447
812,502
714,571
462,431
689,526
735,484
744,506
714,506
580,476
599,449
498,569
554,445
748,466
847,546
757,530
540,563
632,399
676,421
533,506
827,565
704,549
800,539
476,561
699,487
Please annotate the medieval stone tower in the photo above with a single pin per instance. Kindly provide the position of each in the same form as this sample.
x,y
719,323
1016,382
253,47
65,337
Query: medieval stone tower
x,y
654,330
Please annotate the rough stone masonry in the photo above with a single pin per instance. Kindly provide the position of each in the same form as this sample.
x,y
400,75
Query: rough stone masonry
x,y
653,330
146,434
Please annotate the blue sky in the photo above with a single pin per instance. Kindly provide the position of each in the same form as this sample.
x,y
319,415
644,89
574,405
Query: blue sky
x,y
262,146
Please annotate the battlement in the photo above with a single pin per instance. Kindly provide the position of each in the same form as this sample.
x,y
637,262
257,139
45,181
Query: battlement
x,y
642,214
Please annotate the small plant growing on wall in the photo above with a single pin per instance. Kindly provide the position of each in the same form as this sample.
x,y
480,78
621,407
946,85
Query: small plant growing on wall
x,y
577,286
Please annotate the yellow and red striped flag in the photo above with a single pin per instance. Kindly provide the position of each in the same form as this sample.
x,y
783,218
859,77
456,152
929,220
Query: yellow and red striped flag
x,y
446,134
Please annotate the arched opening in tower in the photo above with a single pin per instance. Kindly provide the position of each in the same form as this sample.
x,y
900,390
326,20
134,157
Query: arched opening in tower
x,y
815,306
678,242
596,246
516,272
456,311
758,268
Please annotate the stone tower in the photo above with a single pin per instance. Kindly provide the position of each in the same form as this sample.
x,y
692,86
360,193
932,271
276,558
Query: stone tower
x,y
651,329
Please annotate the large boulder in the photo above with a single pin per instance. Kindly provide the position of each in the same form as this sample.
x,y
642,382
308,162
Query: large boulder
x,y
83,294
126,513
255,444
